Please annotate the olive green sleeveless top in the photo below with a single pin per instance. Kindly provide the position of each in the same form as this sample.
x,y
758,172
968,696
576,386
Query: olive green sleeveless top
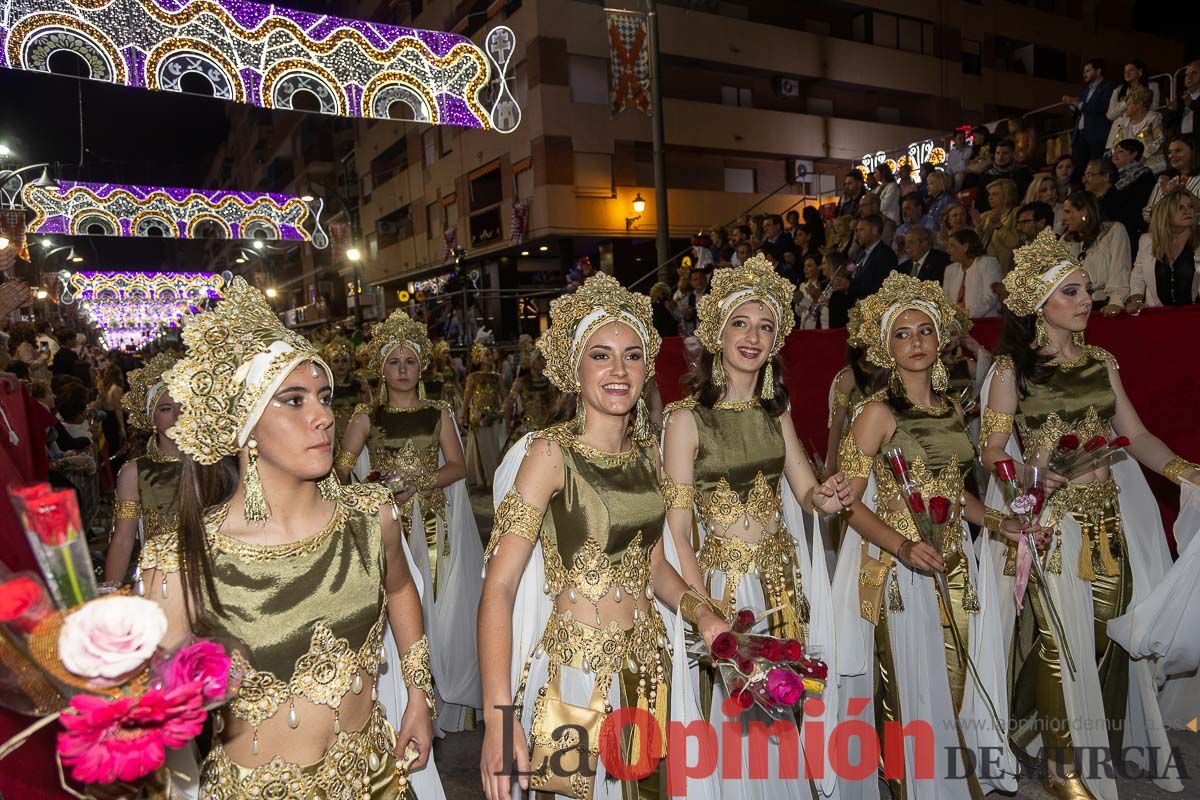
x,y
937,447
158,488
346,398
310,614
1078,394
409,440
483,398
600,528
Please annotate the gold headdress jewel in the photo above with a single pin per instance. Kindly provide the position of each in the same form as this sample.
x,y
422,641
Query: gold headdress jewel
x,y
872,325
575,317
237,355
1039,267
145,387
399,329
338,346
756,279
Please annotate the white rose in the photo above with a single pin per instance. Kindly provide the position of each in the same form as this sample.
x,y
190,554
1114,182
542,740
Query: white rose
x,y
111,637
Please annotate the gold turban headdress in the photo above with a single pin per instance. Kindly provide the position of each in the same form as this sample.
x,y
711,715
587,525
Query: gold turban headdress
x,y
871,326
338,346
399,329
575,317
146,385
756,279
1038,269
237,356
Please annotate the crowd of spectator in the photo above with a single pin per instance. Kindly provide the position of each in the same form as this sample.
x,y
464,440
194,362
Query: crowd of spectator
x,y
1120,188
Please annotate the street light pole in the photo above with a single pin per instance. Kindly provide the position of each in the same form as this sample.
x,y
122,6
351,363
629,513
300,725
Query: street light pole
x,y
663,236
353,254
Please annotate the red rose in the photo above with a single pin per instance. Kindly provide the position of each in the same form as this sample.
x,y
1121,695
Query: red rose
x,y
1006,470
772,650
22,603
916,503
1095,443
375,476
898,462
745,620
745,666
1068,442
724,646
744,699
792,650
939,510
1038,493
54,517
1120,441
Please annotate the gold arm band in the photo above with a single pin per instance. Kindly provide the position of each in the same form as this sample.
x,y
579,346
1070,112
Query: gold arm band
x,y
993,519
126,510
994,422
678,495
515,516
852,461
1175,468
415,670
840,400
691,601
345,460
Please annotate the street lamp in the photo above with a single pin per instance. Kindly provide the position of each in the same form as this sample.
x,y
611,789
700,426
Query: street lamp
x,y
639,205
42,294
353,254
272,292
4,151
258,244
3,242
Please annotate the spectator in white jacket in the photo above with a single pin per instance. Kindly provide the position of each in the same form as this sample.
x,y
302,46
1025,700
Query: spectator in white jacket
x,y
1167,269
972,276
889,194
1103,247
1183,159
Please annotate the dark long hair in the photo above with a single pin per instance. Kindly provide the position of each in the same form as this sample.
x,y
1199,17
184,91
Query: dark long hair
x,y
699,382
200,488
1016,342
566,409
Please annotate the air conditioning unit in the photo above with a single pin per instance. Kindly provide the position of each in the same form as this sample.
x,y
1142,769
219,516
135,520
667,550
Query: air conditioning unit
x,y
387,228
787,87
800,170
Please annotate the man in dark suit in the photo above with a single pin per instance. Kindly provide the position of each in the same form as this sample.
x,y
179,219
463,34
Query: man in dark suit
x,y
1091,115
875,261
924,262
776,236
1183,113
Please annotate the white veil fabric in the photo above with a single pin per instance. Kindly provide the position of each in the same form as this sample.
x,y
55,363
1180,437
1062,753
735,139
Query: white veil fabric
x,y
531,611
1148,559
922,681
1164,626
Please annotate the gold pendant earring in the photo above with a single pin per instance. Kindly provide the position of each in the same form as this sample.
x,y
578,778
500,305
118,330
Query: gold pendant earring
x,y
1040,337
580,414
641,420
254,502
718,370
941,379
768,382
382,398
420,390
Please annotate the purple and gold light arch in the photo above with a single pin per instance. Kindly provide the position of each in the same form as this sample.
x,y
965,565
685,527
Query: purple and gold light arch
x,y
110,209
131,309
267,56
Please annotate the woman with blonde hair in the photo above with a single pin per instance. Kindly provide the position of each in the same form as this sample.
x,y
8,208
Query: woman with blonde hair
x,y
1167,269
998,225
1045,189
1139,122
939,188
955,218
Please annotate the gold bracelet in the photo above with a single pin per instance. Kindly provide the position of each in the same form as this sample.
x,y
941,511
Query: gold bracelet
x,y
678,495
345,460
692,600
126,510
1175,468
994,422
993,519
852,461
515,516
415,670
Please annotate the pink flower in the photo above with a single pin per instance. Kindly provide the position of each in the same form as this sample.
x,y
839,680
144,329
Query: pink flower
x,y
107,639
205,663
784,687
127,738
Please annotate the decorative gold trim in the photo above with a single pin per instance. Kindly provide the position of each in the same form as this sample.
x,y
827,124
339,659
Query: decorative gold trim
x,y
345,460
517,517
1176,467
129,510
678,495
852,461
991,422
415,670
737,405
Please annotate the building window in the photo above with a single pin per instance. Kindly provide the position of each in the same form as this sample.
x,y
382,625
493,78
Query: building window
x,y
589,79
739,180
524,180
429,146
736,96
390,162
972,63
818,106
486,190
891,30
433,219
394,227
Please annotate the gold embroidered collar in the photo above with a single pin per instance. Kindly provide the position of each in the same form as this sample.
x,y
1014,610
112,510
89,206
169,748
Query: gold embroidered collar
x,y
737,405
273,552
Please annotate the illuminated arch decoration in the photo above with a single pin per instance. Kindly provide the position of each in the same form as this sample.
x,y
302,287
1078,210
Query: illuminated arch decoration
x,y
131,309
264,54
109,209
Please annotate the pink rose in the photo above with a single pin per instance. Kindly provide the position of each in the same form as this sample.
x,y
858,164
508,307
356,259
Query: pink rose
x,y
205,663
109,638
784,687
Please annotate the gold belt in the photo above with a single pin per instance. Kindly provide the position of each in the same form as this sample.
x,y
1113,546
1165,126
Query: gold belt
x,y
605,650
772,558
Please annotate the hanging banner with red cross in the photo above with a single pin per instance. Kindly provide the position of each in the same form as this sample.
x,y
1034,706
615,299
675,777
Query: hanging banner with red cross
x,y
628,41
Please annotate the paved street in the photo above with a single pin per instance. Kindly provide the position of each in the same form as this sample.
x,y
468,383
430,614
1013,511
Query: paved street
x,y
458,754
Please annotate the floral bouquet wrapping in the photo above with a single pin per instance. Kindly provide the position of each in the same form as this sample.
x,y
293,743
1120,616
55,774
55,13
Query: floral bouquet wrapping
x,y
774,674
97,665
1072,459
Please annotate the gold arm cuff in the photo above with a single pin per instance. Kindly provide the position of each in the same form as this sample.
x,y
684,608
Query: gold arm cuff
x,y
126,510
994,422
993,519
678,495
515,516
1175,468
345,460
692,600
852,461
415,670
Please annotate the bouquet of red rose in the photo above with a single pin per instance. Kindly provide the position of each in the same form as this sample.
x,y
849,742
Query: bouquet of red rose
x,y
774,674
97,665
1071,459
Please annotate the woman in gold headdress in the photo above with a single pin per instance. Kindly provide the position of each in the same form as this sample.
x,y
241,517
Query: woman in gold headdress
x,y
441,379
735,468
531,401
921,635
483,403
306,574
568,627
412,442
349,390
146,486
1046,383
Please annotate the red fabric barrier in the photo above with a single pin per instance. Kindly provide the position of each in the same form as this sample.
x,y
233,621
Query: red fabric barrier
x,y
1160,372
